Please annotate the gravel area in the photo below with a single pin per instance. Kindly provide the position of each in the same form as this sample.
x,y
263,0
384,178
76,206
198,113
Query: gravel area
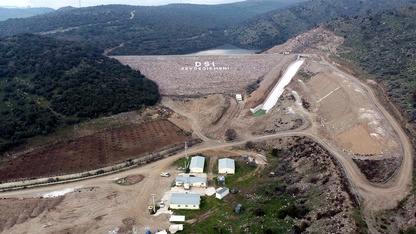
x,y
199,75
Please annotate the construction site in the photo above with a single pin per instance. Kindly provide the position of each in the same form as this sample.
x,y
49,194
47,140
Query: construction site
x,y
313,141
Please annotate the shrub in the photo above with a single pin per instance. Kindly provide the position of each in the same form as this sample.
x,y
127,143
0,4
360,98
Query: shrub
x,y
230,134
249,145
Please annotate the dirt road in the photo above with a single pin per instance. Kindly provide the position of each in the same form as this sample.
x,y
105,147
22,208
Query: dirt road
x,y
374,197
386,196
370,193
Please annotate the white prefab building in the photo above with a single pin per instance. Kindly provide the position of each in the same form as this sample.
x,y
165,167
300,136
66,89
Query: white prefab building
x,y
175,228
226,166
193,181
222,192
197,164
185,201
177,218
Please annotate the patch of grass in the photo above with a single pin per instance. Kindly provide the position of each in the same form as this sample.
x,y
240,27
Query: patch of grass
x,y
243,174
404,201
260,209
206,165
409,230
255,217
207,204
361,224
260,113
181,162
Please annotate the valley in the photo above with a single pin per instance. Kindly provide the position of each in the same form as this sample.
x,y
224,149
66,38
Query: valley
x,y
322,103
302,115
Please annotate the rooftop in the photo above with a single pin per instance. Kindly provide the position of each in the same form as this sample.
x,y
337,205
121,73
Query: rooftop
x,y
197,161
226,163
221,190
192,179
185,198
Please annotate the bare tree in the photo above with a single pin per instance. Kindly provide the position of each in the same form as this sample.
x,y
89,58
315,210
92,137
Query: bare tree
x,y
230,134
250,145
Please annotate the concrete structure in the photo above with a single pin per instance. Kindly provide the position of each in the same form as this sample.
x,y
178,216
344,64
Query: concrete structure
x,y
197,164
222,192
192,181
177,218
175,228
185,201
277,91
238,97
226,166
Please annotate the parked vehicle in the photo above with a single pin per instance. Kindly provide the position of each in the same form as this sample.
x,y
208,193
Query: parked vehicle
x,y
165,174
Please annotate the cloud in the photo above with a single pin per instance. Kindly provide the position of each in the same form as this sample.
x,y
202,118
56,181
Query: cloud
x,y
18,3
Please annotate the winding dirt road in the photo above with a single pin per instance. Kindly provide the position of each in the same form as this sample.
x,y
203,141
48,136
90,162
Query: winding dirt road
x,y
378,197
374,197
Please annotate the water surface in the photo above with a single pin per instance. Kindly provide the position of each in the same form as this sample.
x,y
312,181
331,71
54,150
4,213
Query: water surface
x,y
225,50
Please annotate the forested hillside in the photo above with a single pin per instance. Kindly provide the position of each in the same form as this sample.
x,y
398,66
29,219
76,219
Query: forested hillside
x,y
170,29
9,13
277,26
384,44
46,82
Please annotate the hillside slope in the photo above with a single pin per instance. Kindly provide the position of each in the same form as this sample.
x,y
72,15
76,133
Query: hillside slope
x,y
170,29
45,83
277,26
384,44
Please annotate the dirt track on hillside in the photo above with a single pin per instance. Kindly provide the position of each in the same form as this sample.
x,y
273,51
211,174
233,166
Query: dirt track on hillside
x,y
387,196
99,205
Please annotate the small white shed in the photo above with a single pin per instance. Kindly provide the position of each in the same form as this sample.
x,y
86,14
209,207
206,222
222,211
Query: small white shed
x,y
238,97
226,166
175,228
197,164
177,218
222,192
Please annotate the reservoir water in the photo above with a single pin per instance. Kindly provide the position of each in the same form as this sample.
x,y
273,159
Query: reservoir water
x,y
225,50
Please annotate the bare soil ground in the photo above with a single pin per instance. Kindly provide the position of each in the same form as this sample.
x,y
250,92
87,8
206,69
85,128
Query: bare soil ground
x,y
17,211
341,114
97,205
130,180
94,151
288,116
347,114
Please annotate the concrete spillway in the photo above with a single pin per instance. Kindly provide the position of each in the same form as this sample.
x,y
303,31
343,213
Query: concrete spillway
x,y
280,86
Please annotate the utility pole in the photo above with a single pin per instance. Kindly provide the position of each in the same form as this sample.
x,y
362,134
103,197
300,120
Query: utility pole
x,y
186,155
154,205
79,3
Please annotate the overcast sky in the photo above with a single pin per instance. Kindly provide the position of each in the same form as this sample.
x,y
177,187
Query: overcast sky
x,y
75,3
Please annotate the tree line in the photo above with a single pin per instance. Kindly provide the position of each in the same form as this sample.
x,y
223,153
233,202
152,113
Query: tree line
x,y
46,83
384,44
